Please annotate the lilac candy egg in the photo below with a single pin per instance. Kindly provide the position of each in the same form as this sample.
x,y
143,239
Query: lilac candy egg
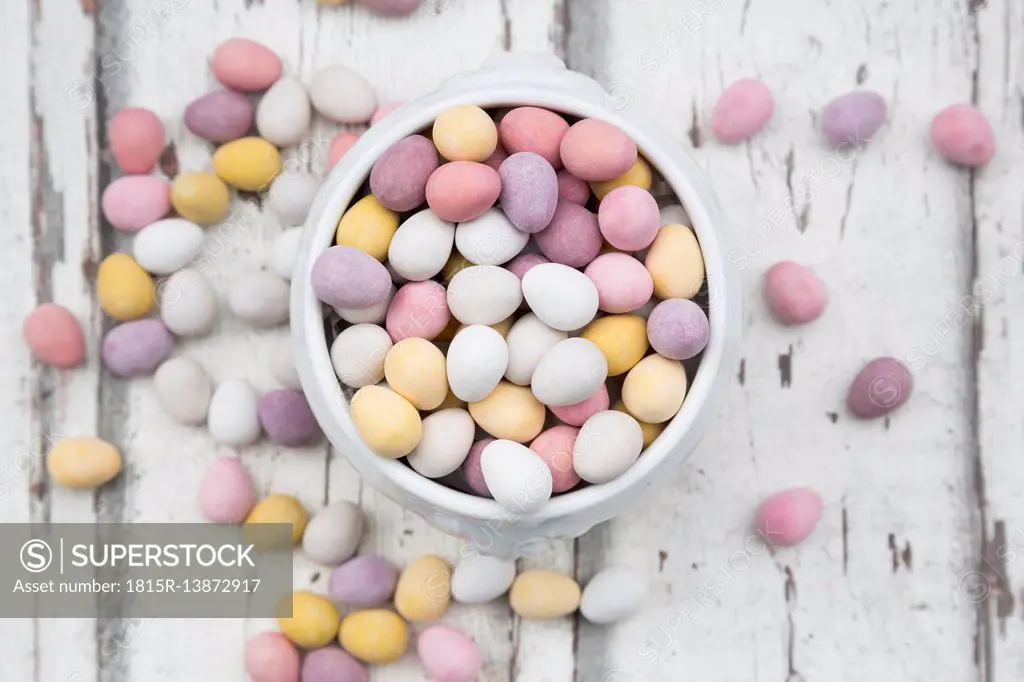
x,y
529,191
331,664
794,293
345,277
883,385
572,238
472,470
134,201
418,309
363,581
629,218
399,177
623,283
392,8
287,418
743,109
962,134
136,348
521,264
220,116
853,118
787,518
678,329
571,188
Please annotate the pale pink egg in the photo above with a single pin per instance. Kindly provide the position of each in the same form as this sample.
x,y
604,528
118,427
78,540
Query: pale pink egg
x,y
524,262
742,110
418,309
226,494
383,110
629,218
270,657
532,129
787,518
135,201
571,188
578,413
555,447
448,655
962,134
340,145
595,150
497,158
54,336
794,293
246,65
462,190
136,139
472,470
623,283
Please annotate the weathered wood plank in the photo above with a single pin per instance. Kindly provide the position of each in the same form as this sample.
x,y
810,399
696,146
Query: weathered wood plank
x,y
885,228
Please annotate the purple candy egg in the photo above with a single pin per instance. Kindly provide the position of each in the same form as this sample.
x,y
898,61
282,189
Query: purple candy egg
x,y
331,664
572,238
136,348
678,329
853,118
883,385
392,8
345,277
287,419
220,116
399,177
529,191
521,264
363,581
571,188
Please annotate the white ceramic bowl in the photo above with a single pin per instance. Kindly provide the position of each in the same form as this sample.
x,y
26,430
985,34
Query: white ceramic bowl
x,y
506,80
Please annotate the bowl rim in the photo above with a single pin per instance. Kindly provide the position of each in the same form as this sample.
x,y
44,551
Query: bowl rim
x,y
316,372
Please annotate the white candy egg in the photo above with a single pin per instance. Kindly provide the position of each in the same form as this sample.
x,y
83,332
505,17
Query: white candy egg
x,y
188,303
234,414
490,239
674,214
282,364
283,114
290,196
528,340
167,245
480,579
570,372
486,294
607,445
184,390
358,353
614,594
342,95
517,477
260,298
284,252
446,440
375,314
562,297
421,246
333,534
476,361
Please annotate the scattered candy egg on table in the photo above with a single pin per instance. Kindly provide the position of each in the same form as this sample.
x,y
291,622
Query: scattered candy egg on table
x,y
415,369
555,447
489,239
200,197
418,309
368,226
595,150
134,201
136,348
577,414
375,636
853,119
124,289
245,65
54,336
638,175
464,133
399,177
543,595
447,438
654,389
282,364
472,471
424,589
314,621
271,657
166,246
331,664
462,190
362,581
569,372
220,116
678,329
136,138
340,144
510,412
387,422
622,339
607,445
480,579
742,110
529,191
184,390
675,263
572,237
340,94
260,298
879,388
516,476
794,293
281,508
83,462
248,163
287,419
615,593
448,655
394,8
358,354
962,134
291,195
285,252
226,493
187,302
562,298
535,130
233,417
283,114
332,536
421,246
788,517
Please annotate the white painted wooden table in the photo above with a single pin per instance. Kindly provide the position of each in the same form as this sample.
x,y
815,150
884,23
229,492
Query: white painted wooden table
x,y
912,574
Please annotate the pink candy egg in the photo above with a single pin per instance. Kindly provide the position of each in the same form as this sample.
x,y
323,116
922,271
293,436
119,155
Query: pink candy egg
x,y
270,657
135,201
383,110
572,237
594,150
629,218
742,110
341,143
243,64
571,188
136,139
521,264
497,158
448,655
787,518
794,293
462,190
879,388
555,447
472,470
226,494
418,309
399,177
623,283
54,336
532,129
963,135
578,413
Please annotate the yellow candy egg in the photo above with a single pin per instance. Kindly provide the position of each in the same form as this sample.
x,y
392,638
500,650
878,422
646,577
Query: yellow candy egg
x,y
639,175
424,589
200,197
465,133
250,163
368,226
450,400
314,621
281,508
450,330
654,389
83,462
650,431
675,263
500,327
124,289
415,369
456,262
389,423
543,595
510,412
622,339
374,636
